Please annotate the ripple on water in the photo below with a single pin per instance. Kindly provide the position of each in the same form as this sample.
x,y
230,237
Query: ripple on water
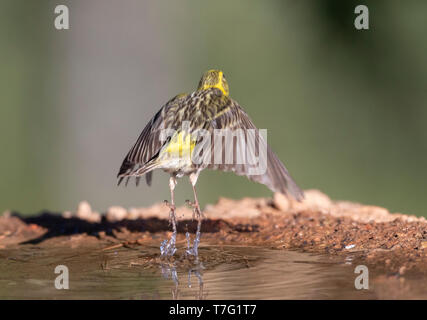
x,y
222,272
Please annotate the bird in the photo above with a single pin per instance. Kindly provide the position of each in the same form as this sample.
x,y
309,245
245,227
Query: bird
x,y
172,138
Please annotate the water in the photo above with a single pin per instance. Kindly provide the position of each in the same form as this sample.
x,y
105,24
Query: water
x,y
222,272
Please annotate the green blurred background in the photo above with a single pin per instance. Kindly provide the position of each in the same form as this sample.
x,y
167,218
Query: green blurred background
x,y
345,109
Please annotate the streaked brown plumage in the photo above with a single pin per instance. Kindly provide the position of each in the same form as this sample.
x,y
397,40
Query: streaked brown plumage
x,y
209,108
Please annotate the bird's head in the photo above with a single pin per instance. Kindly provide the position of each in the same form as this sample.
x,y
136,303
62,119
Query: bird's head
x,y
214,79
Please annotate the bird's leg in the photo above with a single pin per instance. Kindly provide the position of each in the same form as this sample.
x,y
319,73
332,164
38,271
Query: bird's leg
x,y
196,211
168,247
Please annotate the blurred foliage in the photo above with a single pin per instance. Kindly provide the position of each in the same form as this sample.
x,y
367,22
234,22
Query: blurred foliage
x,y
27,118
345,109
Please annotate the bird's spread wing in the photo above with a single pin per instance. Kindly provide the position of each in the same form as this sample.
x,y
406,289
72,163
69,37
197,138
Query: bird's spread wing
x,y
230,115
149,141
210,110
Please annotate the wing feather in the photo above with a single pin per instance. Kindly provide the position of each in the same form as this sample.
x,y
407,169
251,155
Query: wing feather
x,y
276,176
149,143
210,110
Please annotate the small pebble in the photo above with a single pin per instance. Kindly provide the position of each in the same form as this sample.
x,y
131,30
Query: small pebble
x,y
116,213
281,201
84,212
402,270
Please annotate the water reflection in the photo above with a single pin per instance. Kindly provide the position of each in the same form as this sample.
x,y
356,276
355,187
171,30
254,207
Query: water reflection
x,y
250,273
221,272
169,272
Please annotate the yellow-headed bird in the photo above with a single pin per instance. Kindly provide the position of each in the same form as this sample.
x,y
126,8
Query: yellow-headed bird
x,y
172,139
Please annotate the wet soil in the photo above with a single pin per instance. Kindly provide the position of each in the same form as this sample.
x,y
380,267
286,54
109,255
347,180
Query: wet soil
x,y
394,246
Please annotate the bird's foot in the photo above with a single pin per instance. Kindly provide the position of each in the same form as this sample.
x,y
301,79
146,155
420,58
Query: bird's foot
x,y
196,209
171,206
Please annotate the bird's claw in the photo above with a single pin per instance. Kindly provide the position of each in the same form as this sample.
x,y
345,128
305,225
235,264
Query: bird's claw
x,y
196,209
169,205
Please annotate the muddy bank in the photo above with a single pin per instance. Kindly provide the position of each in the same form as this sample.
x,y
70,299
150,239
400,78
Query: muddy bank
x,y
395,242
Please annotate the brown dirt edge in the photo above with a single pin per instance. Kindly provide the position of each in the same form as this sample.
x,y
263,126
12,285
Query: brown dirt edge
x,y
395,242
